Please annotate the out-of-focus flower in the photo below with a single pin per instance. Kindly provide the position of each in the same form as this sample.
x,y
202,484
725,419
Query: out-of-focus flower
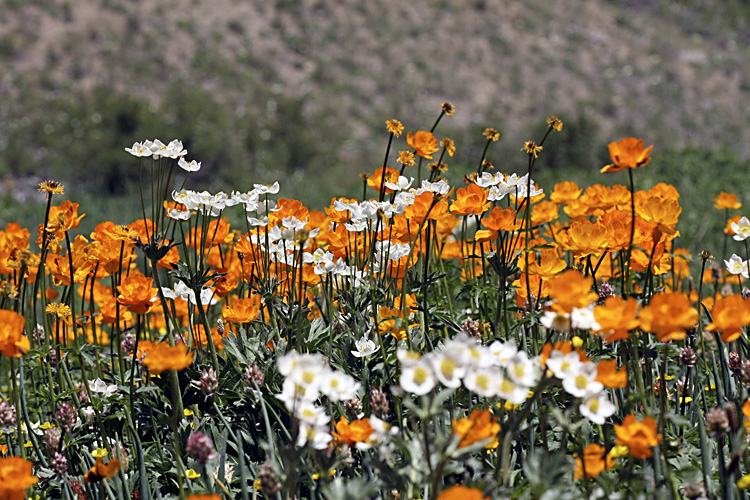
x,y
15,477
480,426
726,201
353,432
595,460
163,357
200,447
627,153
639,436
460,492
100,470
728,316
735,265
668,316
13,343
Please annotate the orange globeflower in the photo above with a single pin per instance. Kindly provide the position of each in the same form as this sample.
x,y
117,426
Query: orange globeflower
x,y
480,425
627,153
356,431
471,200
729,315
15,477
423,142
460,492
101,471
571,289
733,220
661,211
639,437
136,293
549,264
668,316
162,357
63,218
726,201
565,192
544,212
205,496
13,343
616,318
595,460
243,310
587,238
501,220
379,178
608,374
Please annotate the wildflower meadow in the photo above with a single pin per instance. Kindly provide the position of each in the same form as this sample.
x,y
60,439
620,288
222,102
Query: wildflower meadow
x,y
415,340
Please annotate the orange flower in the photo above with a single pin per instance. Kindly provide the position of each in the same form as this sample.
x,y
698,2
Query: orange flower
x,y
729,315
378,179
595,461
425,206
726,201
571,290
12,341
628,153
204,496
608,374
391,321
162,357
565,192
639,437
668,316
460,492
616,318
15,477
728,228
63,218
136,293
480,425
661,211
100,471
243,310
501,220
587,238
471,200
423,142
549,264
544,212
355,432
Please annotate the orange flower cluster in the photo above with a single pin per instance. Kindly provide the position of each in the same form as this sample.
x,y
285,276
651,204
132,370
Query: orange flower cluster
x,y
481,425
639,436
668,315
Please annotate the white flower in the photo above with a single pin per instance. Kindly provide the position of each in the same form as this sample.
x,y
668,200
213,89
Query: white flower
x,y
339,386
192,166
597,407
523,370
178,214
742,229
407,358
318,437
314,415
447,370
266,189
553,320
564,365
101,387
735,265
481,380
503,352
139,150
417,378
510,391
365,347
582,382
584,318
382,432
487,179
402,184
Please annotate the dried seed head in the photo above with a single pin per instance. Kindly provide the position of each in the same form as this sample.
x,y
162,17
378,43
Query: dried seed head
x,y
717,423
200,447
270,484
688,356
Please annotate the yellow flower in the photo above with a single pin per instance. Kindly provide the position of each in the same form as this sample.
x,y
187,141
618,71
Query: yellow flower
x,y
395,127
577,342
491,134
743,483
531,148
618,451
406,158
448,108
555,123
188,412
51,187
45,426
28,444
257,484
191,474
99,452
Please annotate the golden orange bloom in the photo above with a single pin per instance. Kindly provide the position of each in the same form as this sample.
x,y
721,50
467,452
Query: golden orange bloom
x,y
395,127
661,211
64,217
13,343
548,266
732,220
471,200
15,477
729,315
491,134
424,142
544,212
425,206
406,158
555,123
162,357
101,471
136,293
616,318
539,288
608,374
627,153
595,461
449,145
587,238
243,310
724,201
565,192
639,437
668,316
353,432
531,148
378,179
501,220
460,492
480,425
205,496
391,321
571,289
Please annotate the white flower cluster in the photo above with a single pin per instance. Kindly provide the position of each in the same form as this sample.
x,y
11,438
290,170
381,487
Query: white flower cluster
x,y
158,149
182,291
307,376
581,318
579,380
498,370
500,185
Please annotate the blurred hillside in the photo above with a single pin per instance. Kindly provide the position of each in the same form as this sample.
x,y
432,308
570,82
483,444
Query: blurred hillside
x,y
298,90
